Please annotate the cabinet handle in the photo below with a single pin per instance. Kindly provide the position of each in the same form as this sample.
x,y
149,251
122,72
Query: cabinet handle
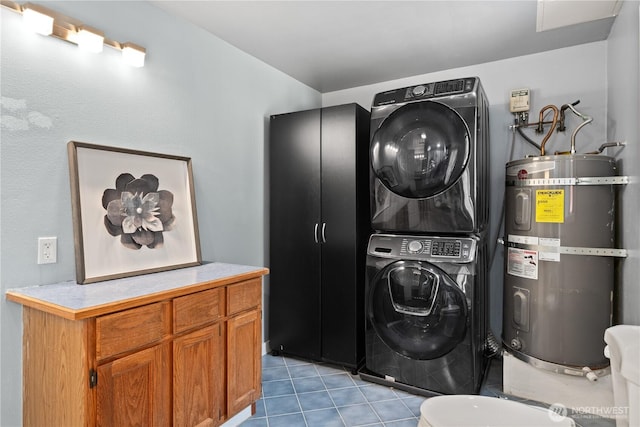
x,y
315,233
324,227
93,378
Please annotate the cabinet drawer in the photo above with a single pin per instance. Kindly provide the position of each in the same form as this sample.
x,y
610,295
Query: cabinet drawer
x,y
197,309
130,329
243,296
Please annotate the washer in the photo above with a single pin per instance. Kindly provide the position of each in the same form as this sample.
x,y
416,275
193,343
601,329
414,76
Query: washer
x,y
426,312
430,159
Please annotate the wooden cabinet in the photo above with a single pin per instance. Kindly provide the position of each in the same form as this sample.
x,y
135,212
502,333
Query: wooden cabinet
x,y
190,356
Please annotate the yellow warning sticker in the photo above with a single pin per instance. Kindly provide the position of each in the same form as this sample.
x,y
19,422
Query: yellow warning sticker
x,y
550,206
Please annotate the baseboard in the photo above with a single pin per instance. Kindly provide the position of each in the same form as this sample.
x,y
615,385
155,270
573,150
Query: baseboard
x,y
239,418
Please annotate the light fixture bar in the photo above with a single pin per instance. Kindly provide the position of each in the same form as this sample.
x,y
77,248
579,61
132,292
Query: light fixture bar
x,y
11,5
48,22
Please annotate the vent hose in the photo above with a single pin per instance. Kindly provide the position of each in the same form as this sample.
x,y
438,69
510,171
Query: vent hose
x,y
493,347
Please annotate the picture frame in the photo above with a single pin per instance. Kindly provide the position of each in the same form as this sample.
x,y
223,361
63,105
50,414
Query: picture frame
x,y
134,212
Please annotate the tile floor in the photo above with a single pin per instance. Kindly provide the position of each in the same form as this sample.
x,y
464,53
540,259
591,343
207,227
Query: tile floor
x,y
297,393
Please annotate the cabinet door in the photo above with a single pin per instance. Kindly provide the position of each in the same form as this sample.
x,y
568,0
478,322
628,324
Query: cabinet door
x,y
243,361
198,377
345,200
135,390
295,227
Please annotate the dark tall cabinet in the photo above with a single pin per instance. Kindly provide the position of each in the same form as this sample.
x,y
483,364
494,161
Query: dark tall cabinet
x,y
319,226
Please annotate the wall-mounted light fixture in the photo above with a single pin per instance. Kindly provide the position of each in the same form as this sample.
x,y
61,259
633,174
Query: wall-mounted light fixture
x,y
50,23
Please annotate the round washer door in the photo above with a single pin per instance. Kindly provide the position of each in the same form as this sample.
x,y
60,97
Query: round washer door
x,y
417,309
420,150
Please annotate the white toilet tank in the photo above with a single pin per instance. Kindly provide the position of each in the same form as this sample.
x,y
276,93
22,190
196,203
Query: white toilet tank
x,y
623,348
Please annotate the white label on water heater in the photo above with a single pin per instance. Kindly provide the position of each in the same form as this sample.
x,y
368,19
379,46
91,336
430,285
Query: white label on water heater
x,y
523,240
549,254
548,241
522,263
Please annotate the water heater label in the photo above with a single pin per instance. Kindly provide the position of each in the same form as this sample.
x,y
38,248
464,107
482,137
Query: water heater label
x,y
525,240
523,263
550,256
551,252
550,206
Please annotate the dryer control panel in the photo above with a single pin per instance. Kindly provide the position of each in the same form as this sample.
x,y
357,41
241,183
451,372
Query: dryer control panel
x,y
425,91
423,248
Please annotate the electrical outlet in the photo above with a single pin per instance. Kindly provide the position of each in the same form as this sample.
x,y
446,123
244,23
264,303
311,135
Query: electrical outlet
x,y
47,250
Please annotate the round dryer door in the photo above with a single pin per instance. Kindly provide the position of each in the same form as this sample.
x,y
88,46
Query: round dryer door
x,y
420,150
417,309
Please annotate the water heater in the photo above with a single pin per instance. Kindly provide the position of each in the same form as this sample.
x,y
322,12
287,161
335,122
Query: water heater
x,y
559,259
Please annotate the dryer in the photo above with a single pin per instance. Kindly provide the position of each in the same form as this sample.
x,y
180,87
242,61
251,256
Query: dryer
x,y
429,157
426,312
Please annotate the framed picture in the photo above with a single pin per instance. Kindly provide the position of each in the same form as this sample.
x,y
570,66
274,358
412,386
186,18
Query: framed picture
x,y
134,212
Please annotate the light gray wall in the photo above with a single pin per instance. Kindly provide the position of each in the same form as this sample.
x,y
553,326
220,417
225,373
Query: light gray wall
x,y
623,125
554,77
197,96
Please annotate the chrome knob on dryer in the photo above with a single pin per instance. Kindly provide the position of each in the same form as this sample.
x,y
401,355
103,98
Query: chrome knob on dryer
x,y
415,246
419,90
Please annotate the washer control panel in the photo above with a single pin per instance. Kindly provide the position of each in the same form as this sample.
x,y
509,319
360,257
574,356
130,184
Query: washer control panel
x,y
425,91
426,248
448,248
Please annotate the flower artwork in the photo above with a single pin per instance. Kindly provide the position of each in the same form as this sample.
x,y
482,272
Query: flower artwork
x,y
146,223
138,211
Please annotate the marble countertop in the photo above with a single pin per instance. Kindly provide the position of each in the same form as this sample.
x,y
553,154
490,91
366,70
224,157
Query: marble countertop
x,y
74,301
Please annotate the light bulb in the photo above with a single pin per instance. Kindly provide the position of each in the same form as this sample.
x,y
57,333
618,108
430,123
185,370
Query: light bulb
x,y
133,54
90,39
38,21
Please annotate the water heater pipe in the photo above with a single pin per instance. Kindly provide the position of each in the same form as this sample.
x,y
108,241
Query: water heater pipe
x,y
591,376
553,125
608,145
586,120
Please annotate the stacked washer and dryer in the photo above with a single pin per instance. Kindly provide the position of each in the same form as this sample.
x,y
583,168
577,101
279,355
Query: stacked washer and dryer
x,y
426,289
